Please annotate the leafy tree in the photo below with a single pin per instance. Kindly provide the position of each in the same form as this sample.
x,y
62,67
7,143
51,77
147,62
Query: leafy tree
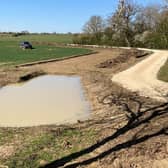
x,y
129,25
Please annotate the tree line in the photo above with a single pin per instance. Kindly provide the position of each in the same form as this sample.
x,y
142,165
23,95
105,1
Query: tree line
x,y
130,25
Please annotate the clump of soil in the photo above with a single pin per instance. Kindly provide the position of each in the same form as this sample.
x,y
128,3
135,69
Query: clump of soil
x,y
123,58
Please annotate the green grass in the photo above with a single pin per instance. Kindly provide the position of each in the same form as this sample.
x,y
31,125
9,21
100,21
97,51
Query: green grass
x,y
11,53
163,73
6,135
49,147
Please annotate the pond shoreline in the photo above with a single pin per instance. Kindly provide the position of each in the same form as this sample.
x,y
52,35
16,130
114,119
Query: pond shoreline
x,y
92,78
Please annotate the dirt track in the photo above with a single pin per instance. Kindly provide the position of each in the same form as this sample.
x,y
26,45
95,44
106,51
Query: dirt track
x,y
142,77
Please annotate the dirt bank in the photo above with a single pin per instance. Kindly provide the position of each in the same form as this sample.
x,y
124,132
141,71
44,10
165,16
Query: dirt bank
x,y
125,129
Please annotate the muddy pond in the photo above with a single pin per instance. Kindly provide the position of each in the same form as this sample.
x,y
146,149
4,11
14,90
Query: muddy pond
x,y
44,100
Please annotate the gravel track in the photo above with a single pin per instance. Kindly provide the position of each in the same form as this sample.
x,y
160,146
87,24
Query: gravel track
x,y
142,77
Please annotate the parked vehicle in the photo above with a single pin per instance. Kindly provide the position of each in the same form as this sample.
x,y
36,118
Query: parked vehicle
x,y
26,45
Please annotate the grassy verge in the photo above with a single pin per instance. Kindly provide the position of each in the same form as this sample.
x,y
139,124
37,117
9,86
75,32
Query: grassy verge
x,y
163,73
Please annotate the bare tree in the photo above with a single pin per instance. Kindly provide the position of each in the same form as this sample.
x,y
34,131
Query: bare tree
x,y
121,20
94,25
150,17
166,5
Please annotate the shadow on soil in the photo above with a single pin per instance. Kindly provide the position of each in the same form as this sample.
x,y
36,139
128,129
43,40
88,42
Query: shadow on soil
x,y
135,120
30,76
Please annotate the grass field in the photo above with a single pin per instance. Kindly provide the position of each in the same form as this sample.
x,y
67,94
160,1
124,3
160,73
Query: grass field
x,y
57,38
163,73
12,54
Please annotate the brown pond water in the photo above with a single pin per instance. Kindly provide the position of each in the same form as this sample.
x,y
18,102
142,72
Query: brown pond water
x,y
43,100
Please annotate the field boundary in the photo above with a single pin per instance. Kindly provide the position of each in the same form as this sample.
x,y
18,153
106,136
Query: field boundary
x,y
55,59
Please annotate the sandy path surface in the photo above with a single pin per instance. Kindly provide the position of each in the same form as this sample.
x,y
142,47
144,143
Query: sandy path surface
x,y
142,77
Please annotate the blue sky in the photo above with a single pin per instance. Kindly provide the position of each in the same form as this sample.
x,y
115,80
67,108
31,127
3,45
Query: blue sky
x,y
54,15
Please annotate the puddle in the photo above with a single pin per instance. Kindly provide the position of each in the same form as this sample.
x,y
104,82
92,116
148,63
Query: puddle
x,y
43,100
